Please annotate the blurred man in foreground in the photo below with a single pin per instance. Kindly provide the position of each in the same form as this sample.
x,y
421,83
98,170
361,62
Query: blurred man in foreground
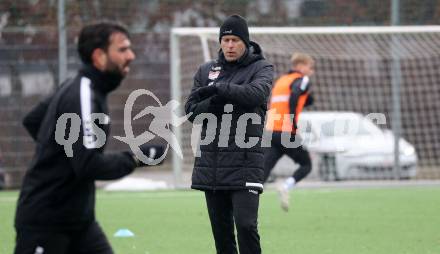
x,y
56,208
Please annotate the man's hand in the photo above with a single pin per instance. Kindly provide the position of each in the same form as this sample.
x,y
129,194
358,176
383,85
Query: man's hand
x,y
220,86
217,100
206,91
153,152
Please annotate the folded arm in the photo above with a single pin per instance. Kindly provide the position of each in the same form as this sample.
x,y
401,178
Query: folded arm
x,y
249,95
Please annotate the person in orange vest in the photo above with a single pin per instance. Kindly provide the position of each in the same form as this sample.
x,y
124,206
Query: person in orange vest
x,y
290,94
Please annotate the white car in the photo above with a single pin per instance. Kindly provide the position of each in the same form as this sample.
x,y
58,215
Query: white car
x,y
347,145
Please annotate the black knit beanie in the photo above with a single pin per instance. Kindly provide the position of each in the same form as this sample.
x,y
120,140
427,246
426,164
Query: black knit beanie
x,y
235,25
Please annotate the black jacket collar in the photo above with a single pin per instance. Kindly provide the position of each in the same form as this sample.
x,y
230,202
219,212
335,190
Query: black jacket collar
x,y
104,82
251,55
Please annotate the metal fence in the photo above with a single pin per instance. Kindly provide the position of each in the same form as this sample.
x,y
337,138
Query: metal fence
x,y
37,47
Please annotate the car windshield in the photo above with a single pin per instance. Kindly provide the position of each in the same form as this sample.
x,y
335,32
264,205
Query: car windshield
x,y
339,126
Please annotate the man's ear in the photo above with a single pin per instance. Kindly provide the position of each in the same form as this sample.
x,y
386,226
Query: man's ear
x,y
99,59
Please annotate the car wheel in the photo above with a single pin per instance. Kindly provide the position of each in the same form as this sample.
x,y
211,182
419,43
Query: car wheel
x,y
327,168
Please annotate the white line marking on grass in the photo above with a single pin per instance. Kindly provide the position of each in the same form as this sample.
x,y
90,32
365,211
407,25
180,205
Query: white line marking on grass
x,y
105,195
8,199
118,195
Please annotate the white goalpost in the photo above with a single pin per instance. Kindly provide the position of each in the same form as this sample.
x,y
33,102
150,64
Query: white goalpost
x,y
360,69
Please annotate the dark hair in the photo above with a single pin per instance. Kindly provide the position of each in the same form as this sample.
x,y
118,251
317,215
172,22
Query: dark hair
x,y
96,36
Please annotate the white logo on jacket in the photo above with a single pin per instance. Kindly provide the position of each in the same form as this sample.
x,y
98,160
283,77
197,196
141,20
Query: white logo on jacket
x,y
213,75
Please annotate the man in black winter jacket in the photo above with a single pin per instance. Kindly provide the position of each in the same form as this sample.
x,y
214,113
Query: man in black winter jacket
x,y
234,88
56,208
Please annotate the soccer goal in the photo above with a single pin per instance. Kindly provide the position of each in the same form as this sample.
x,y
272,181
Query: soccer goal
x,y
358,69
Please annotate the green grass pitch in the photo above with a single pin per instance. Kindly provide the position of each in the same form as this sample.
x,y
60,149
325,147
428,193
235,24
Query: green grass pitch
x,y
324,221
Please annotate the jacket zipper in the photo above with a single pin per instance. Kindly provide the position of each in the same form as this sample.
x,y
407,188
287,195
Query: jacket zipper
x,y
222,74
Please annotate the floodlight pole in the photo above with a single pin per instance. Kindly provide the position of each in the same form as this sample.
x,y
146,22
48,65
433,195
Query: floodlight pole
x,y
396,82
62,45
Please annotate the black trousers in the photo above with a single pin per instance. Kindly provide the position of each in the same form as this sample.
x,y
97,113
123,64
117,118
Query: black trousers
x,y
241,207
90,240
300,155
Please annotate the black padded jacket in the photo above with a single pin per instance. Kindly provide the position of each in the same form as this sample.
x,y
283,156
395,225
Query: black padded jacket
x,y
234,159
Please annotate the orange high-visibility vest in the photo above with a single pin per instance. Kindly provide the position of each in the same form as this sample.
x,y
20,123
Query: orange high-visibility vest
x,y
278,117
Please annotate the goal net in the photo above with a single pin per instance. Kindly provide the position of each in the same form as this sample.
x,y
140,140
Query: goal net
x,y
355,71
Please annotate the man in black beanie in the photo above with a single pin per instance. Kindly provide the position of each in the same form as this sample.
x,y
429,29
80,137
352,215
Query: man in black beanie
x,y
235,25
237,83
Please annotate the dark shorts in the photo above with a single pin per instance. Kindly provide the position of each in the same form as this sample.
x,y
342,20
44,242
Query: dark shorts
x,y
90,240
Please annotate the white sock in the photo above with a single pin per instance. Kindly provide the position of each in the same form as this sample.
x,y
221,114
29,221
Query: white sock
x,y
289,183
